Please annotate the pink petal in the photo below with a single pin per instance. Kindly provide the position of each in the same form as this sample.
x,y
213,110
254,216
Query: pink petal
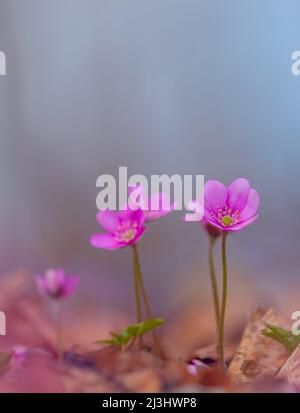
x,y
251,206
238,193
215,195
70,286
20,352
159,202
159,205
60,276
105,241
210,220
133,216
241,225
154,215
54,280
109,220
138,236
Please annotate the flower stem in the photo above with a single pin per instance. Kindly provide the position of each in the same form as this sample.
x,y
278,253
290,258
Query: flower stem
x,y
214,285
138,308
223,305
59,332
149,314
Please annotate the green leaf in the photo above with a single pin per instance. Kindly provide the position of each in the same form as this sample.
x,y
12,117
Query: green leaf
x,y
131,332
144,327
289,340
116,340
111,342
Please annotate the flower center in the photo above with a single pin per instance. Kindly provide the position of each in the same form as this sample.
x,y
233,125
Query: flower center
x,y
226,216
227,220
126,231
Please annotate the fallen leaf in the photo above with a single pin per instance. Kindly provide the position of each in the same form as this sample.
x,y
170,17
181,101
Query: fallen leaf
x,y
290,371
258,357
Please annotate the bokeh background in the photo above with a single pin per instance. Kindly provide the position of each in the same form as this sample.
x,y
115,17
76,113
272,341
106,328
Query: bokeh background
x,y
165,86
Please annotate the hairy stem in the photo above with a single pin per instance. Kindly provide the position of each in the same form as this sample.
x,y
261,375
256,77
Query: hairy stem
x,y
214,287
149,314
138,308
223,304
59,331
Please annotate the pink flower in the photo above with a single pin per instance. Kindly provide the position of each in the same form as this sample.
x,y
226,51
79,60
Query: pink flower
x,y
155,207
123,228
230,209
56,284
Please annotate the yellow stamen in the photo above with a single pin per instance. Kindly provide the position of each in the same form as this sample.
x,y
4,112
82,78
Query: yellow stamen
x,y
227,220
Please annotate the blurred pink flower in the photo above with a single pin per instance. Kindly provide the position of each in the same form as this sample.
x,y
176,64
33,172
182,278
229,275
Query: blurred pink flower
x,y
195,366
19,352
56,284
230,209
155,207
123,228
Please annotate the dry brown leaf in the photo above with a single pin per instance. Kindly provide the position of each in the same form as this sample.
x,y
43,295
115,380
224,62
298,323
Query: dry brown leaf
x,y
140,371
5,358
258,357
290,371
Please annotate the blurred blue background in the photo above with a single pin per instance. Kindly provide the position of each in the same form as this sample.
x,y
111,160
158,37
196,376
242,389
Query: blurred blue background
x,y
166,86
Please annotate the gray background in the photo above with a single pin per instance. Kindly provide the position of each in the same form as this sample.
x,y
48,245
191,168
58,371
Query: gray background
x,y
166,86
